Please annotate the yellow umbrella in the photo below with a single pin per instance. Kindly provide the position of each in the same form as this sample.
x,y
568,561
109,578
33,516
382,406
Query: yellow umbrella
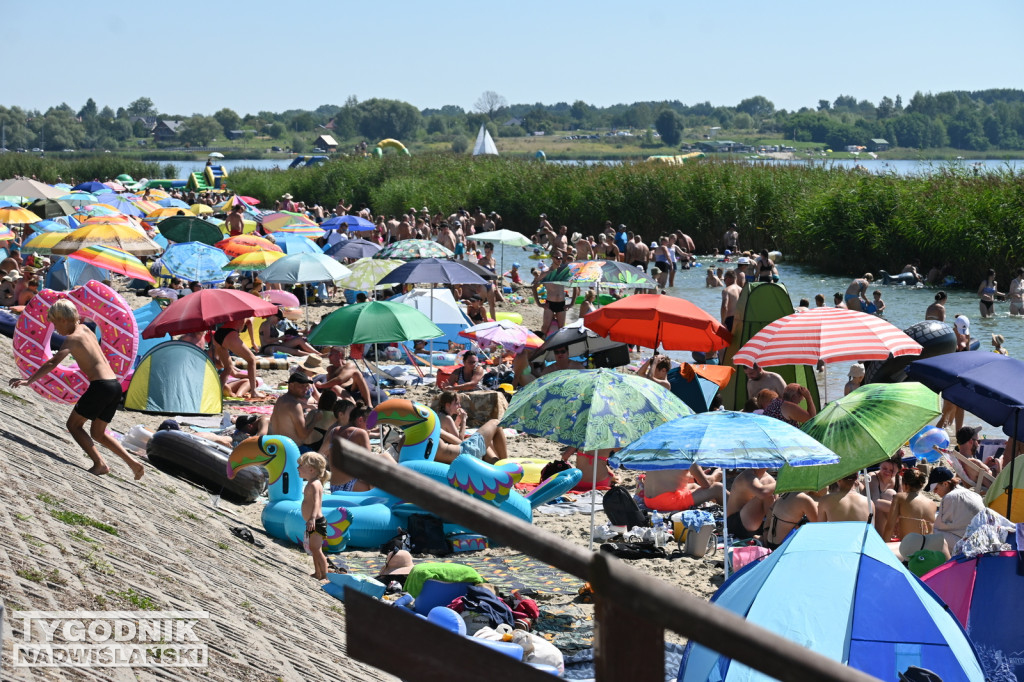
x,y
254,260
201,209
16,214
165,212
42,242
107,234
158,194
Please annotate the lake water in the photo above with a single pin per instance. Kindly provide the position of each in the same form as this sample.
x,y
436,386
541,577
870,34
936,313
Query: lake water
x,y
904,306
899,167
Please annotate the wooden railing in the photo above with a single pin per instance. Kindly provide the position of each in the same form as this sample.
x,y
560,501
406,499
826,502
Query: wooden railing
x,y
632,610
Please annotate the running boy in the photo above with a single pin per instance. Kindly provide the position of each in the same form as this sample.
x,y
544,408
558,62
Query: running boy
x,y
100,400
313,470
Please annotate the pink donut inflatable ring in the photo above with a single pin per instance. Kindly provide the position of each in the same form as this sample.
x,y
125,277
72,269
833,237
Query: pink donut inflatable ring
x,y
119,338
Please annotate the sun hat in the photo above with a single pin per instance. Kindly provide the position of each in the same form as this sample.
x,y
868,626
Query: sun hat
x,y
576,236
312,364
998,339
856,371
286,196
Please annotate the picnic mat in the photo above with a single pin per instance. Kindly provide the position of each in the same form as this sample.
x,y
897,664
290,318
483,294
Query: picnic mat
x,y
519,572
569,627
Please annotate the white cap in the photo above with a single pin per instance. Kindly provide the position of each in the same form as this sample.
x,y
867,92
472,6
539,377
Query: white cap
x,y
963,325
856,371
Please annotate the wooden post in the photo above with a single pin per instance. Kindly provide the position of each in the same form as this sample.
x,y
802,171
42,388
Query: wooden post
x,y
627,646
399,642
649,600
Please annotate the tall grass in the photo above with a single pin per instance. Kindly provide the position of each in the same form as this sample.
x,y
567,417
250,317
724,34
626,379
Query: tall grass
x,y
79,169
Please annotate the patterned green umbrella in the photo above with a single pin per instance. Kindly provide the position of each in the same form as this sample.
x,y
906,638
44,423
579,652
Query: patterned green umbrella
x,y
408,249
863,428
592,409
366,273
607,274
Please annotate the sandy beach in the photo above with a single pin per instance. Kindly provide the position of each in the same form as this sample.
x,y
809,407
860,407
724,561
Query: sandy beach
x,y
173,548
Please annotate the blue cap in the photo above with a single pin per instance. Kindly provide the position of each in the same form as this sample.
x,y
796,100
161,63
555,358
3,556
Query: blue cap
x,y
728,252
515,265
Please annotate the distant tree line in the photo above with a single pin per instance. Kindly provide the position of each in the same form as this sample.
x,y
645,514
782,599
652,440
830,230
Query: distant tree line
x,y
977,121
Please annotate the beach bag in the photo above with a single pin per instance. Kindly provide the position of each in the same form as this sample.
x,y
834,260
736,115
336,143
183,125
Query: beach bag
x,y
745,554
634,550
426,535
621,508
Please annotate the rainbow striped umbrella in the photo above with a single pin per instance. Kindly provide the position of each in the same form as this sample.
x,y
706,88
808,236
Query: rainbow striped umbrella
x,y
6,232
254,260
114,260
272,222
309,231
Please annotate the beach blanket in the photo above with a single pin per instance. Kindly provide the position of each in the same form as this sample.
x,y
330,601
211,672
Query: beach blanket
x,y
569,627
582,504
519,572
254,409
580,665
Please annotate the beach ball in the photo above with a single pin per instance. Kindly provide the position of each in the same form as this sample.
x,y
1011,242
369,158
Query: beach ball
x,y
924,442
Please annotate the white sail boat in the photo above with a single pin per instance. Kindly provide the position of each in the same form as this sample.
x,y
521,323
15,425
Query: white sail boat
x,y
484,143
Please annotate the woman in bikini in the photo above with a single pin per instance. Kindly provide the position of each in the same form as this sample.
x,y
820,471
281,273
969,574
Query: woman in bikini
x,y
988,292
585,463
453,417
856,293
911,512
790,511
937,311
765,267
883,485
274,340
227,340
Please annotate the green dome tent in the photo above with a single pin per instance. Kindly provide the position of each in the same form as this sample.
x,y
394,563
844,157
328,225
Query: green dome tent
x,y
175,378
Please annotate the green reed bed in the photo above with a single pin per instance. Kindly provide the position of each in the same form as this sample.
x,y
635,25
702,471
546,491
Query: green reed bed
x,y
844,221
80,169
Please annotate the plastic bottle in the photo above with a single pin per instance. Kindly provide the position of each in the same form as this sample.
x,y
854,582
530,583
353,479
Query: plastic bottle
x,y
658,522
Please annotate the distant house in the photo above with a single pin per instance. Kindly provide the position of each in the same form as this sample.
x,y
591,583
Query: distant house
x,y
879,145
149,121
167,131
239,134
513,122
326,142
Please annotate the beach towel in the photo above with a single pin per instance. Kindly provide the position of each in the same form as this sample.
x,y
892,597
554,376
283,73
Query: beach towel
x,y
254,409
584,503
530,576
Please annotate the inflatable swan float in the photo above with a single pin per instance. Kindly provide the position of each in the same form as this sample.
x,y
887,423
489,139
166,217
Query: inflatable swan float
x,y
371,518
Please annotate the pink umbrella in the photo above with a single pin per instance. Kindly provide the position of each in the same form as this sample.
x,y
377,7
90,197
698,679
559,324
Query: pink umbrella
x,y
510,335
279,297
826,334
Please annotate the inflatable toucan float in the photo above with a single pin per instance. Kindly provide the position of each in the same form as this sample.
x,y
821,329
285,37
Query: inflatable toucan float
x,y
362,520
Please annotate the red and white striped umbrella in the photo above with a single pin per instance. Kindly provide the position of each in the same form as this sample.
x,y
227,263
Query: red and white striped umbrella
x,y
826,334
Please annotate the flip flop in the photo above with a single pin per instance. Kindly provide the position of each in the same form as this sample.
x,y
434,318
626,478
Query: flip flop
x,y
243,533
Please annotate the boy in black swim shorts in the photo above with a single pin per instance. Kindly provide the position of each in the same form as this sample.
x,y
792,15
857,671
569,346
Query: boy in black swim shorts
x,y
99,402
313,470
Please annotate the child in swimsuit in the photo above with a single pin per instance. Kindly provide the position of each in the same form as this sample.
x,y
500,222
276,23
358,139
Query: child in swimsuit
x,y
585,463
313,470
99,402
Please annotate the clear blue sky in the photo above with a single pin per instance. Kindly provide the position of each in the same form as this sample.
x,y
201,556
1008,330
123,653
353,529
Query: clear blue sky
x,y
262,55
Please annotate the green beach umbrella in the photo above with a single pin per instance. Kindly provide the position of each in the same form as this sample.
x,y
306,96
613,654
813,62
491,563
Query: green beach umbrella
x,y
864,428
374,322
189,229
592,409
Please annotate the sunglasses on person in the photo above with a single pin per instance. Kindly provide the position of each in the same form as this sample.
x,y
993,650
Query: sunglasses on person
x,y
561,351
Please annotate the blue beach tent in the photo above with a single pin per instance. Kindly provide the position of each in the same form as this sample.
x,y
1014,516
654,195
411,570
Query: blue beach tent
x,y
837,589
175,378
143,316
68,273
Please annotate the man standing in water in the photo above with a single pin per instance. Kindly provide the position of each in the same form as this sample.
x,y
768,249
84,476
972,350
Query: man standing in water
x,y
99,402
